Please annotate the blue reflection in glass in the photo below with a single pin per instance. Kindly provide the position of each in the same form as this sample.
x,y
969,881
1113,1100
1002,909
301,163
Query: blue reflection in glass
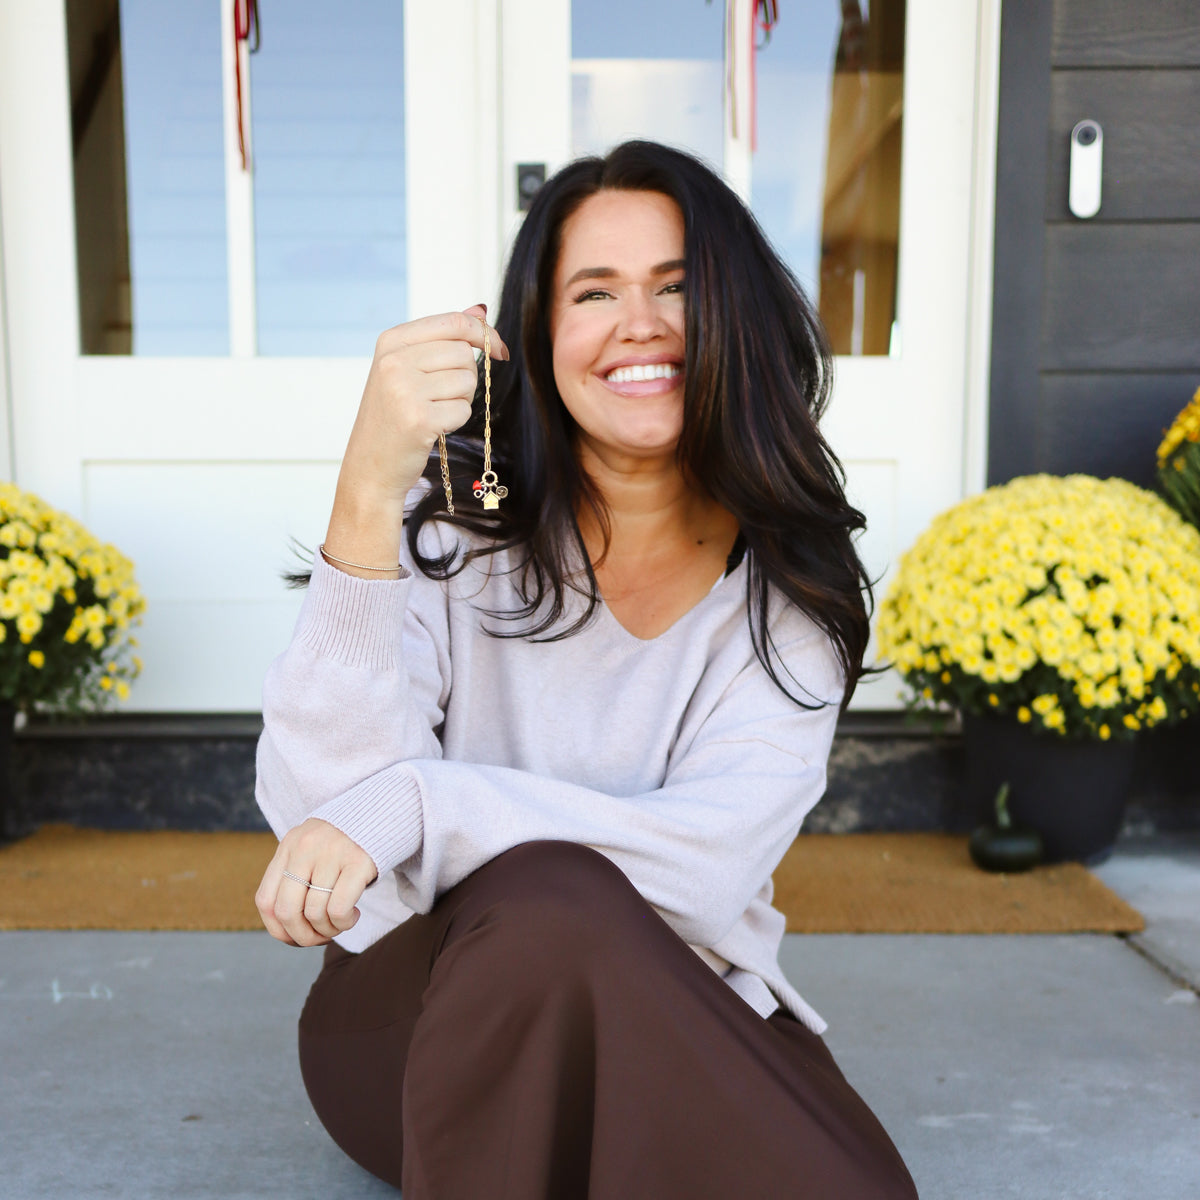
x,y
328,116
793,73
175,176
648,70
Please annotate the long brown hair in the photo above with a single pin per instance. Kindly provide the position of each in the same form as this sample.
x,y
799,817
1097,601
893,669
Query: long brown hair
x,y
757,377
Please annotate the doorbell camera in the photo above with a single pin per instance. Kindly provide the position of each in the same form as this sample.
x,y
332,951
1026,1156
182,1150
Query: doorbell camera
x,y
1087,158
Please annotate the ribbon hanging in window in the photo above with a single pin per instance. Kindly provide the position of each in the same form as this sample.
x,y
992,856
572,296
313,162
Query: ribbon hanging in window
x,y
245,14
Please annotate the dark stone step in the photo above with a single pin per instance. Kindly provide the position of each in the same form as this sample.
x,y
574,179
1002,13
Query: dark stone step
x,y
886,772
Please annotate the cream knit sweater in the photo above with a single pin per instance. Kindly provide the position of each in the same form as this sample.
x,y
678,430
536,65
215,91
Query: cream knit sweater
x,y
395,717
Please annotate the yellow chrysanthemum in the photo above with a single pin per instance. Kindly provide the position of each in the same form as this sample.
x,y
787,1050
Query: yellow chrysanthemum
x,y
1063,597
1185,428
60,587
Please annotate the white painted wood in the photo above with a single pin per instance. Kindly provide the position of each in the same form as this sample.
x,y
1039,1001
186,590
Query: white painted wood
x,y
7,468
911,409
451,149
39,249
983,224
213,409
535,90
218,611
239,192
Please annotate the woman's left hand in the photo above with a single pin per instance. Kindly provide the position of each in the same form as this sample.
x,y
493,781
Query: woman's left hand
x,y
322,854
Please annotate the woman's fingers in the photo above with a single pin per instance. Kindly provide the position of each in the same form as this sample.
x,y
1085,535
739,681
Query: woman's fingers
x,y
333,912
314,856
267,901
464,326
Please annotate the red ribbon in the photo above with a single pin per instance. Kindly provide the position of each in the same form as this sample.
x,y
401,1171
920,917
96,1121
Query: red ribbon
x,y
245,13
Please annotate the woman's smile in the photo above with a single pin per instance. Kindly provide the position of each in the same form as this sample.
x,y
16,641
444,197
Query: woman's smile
x,y
654,376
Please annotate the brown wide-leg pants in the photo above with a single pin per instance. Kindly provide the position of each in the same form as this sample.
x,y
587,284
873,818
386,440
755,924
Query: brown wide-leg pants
x,y
542,1034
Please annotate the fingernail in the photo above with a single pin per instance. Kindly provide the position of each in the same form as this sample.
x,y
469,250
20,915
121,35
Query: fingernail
x,y
483,306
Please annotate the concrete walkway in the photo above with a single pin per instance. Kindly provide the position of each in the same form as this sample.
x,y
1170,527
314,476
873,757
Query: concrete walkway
x,y
1046,1068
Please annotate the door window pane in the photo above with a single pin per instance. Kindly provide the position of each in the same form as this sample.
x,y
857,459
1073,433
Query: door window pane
x,y
826,170
327,108
648,68
149,176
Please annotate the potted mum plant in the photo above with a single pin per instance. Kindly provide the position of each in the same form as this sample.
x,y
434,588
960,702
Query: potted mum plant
x,y
1179,462
1060,616
67,606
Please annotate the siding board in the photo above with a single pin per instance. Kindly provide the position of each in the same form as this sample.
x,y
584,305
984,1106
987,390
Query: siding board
x,y
1151,142
1121,297
1106,424
1124,33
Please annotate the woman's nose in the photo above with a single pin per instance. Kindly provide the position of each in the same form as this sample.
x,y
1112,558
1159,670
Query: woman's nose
x,y
640,319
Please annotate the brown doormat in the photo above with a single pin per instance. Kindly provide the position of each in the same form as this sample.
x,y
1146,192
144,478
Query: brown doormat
x,y
67,878
927,883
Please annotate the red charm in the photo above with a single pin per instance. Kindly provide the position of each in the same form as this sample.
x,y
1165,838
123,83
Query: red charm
x,y
477,485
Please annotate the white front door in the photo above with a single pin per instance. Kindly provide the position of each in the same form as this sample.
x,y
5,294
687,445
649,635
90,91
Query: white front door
x,y
193,411
865,177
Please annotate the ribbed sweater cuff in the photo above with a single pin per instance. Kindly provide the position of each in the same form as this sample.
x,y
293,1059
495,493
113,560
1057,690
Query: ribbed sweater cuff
x,y
382,814
358,622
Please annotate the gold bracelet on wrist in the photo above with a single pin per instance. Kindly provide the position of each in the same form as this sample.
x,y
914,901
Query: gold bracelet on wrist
x,y
357,566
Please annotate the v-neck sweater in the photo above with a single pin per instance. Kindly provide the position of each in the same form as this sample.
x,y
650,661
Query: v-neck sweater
x,y
397,718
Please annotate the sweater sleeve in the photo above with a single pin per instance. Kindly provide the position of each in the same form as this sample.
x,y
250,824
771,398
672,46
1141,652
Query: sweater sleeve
x,y
699,848
363,684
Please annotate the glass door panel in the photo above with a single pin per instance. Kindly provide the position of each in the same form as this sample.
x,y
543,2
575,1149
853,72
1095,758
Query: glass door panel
x,y
326,153
650,70
826,85
149,176
327,114
827,163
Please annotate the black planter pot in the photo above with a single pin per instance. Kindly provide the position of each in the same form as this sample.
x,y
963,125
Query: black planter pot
x,y
8,815
1072,792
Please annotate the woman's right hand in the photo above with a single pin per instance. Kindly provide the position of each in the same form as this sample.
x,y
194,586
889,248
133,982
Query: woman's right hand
x,y
421,383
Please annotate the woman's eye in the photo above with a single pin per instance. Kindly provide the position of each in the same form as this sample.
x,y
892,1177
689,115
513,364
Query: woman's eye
x,y
591,295
673,288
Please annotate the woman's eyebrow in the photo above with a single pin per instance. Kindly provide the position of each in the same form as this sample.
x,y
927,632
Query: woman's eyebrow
x,y
662,268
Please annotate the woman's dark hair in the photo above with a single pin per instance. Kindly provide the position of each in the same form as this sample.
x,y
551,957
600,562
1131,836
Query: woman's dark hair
x,y
757,377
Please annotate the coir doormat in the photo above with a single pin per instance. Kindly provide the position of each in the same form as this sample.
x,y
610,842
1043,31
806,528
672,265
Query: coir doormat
x,y
67,878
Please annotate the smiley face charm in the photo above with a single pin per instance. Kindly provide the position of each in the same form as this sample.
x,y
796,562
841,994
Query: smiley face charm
x,y
489,491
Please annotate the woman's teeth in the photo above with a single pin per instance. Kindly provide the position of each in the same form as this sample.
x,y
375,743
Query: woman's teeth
x,y
639,373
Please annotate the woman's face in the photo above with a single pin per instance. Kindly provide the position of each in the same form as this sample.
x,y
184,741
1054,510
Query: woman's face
x,y
617,324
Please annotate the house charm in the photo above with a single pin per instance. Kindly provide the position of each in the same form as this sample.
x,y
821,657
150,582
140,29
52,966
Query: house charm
x,y
489,491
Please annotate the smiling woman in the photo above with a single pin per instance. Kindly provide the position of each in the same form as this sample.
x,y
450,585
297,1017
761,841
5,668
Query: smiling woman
x,y
533,782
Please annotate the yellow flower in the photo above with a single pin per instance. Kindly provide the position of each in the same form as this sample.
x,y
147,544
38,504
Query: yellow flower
x,y
1095,582
1104,732
28,624
1024,715
1185,427
37,659
106,682
1131,722
122,690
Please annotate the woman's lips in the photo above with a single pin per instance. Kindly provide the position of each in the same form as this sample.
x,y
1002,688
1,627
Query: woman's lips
x,y
620,380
